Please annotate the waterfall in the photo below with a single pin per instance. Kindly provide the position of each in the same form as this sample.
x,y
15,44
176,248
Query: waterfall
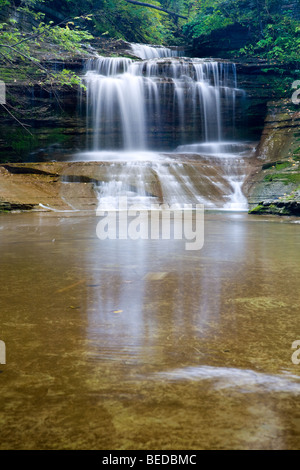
x,y
145,51
166,124
134,105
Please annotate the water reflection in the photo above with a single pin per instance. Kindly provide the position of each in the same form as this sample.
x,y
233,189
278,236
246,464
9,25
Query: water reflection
x,y
244,380
141,344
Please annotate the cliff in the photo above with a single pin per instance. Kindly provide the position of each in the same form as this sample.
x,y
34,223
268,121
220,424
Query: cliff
x,y
275,185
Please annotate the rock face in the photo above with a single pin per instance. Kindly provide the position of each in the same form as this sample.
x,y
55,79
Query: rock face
x,y
49,186
274,187
221,42
55,115
52,114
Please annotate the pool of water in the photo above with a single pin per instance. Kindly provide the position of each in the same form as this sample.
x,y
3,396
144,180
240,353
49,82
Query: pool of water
x,y
141,344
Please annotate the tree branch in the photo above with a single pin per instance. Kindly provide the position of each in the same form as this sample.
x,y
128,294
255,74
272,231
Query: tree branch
x,y
39,65
149,5
23,125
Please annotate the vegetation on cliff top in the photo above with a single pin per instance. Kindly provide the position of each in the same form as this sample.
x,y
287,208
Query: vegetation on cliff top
x,y
66,27
274,33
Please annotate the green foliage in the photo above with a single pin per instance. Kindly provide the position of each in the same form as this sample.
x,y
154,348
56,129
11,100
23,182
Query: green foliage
x,y
208,16
119,19
19,46
133,23
65,78
280,42
275,35
11,41
69,39
115,18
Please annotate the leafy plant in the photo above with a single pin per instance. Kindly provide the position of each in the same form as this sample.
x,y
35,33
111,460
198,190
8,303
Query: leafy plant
x,y
274,34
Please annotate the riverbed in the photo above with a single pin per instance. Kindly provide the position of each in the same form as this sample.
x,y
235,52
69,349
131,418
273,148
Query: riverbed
x,y
142,344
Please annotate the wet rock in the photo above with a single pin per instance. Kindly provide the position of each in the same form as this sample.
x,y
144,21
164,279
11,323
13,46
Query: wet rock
x,y
291,208
274,185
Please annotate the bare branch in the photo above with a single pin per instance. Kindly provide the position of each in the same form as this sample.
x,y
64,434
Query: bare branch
x,y
16,119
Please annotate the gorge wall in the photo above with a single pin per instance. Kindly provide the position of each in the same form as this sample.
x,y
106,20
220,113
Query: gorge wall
x,y
274,187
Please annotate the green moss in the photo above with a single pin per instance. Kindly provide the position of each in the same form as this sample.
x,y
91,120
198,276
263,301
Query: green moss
x,y
20,143
19,140
260,209
270,209
273,209
19,72
296,154
286,178
283,165
268,178
280,165
276,208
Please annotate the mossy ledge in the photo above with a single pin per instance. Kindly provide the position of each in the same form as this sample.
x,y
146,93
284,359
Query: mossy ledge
x,y
291,208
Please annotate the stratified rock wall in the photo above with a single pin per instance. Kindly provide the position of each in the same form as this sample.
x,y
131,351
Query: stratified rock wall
x,y
275,185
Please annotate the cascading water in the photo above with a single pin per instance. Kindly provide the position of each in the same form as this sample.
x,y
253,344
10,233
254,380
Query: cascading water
x,y
144,51
141,105
165,119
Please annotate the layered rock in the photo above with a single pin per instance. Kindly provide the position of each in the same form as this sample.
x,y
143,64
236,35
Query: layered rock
x,y
274,187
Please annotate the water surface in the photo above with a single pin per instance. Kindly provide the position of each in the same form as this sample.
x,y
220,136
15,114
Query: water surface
x,y
121,344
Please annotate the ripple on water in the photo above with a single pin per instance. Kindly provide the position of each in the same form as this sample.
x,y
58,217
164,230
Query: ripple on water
x,y
247,381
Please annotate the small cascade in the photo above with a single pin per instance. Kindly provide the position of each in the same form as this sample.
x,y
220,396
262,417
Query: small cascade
x,y
216,148
150,178
166,126
233,158
145,51
109,66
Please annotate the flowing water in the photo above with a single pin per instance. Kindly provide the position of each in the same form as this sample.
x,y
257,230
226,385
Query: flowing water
x,y
123,344
169,119
145,51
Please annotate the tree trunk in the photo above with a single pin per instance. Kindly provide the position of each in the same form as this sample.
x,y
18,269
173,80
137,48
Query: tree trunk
x,y
148,5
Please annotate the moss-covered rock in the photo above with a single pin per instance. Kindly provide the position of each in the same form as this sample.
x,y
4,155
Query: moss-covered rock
x,y
274,187
283,207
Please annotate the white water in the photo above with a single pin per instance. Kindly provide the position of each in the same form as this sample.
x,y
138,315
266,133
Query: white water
x,y
130,103
138,109
228,377
145,51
